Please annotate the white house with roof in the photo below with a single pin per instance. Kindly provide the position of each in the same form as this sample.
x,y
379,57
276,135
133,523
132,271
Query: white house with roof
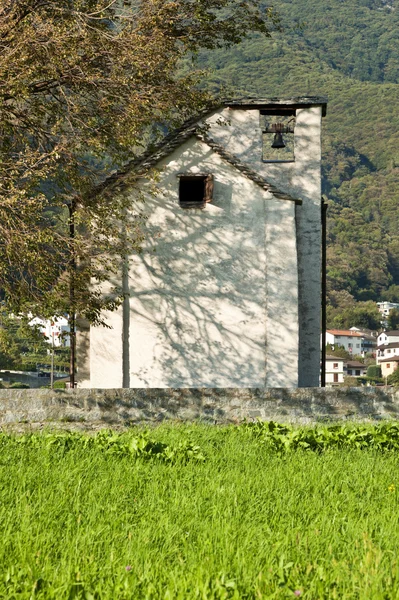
x,y
353,341
354,368
388,337
334,371
388,365
56,330
386,307
228,281
388,345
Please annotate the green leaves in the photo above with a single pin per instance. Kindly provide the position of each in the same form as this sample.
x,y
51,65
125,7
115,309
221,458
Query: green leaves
x,y
123,445
83,86
286,438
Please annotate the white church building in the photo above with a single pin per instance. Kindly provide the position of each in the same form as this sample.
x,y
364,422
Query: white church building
x,y
226,292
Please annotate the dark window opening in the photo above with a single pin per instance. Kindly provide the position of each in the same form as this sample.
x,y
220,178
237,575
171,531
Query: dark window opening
x,y
335,377
195,190
357,372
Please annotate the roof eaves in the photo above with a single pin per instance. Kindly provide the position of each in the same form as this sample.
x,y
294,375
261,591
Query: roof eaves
x,y
147,160
154,153
174,139
248,172
119,179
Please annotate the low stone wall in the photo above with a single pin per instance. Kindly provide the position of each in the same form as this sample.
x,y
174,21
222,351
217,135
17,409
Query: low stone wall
x,y
92,409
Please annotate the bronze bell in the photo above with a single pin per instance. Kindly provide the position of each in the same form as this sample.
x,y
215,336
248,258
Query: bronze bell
x,y
278,141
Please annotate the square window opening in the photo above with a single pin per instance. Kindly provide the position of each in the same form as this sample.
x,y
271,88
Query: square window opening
x,y
195,191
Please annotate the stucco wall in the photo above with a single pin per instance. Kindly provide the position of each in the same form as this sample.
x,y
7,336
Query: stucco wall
x,y
230,295
96,409
211,290
302,179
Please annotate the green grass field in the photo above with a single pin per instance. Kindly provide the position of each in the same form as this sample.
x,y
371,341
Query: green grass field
x,y
247,522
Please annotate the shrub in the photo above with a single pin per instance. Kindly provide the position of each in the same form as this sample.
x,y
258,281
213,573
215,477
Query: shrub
x,y
374,371
285,438
350,381
19,385
393,379
59,385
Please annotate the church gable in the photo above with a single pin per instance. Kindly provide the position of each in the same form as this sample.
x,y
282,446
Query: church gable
x,y
228,282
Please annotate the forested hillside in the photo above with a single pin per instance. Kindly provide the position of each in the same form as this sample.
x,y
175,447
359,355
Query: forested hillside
x,y
347,50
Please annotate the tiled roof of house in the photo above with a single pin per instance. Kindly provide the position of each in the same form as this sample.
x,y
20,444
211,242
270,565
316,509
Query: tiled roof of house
x,y
354,364
329,357
394,332
346,332
121,179
369,332
390,359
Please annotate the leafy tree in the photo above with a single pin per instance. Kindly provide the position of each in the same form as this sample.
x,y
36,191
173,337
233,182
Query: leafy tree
x,y
338,351
393,319
21,345
391,294
393,379
83,82
359,314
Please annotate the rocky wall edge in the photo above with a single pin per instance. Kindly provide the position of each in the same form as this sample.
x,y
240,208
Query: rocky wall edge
x,y
124,407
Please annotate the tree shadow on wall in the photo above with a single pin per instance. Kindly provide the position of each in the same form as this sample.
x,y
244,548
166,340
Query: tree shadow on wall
x,y
198,291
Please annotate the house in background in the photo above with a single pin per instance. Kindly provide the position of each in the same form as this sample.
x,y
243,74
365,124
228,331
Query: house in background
x,y
353,340
387,337
354,368
389,365
368,341
228,282
386,307
334,371
388,345
55,330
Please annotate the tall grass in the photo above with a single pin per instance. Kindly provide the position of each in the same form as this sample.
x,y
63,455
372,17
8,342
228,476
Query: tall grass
x,y
246,523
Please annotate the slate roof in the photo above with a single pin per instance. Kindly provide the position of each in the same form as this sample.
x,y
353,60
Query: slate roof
x,y
390,345
119,180
250,173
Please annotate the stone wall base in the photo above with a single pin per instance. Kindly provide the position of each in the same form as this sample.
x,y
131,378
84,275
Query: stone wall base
x,y
97,408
